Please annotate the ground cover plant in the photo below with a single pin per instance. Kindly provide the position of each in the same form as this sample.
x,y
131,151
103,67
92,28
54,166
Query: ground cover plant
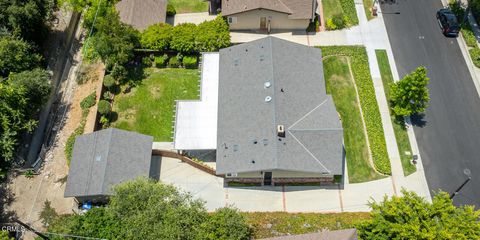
x,y
273,224
340,85
339,14
148,108
366,92
368,5
399,128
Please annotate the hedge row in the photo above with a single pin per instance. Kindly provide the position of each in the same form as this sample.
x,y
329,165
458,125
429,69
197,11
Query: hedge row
x,y
368,101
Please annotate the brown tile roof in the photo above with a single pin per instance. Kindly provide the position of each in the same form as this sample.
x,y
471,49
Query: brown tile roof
x,y
142,13
346,234
296,9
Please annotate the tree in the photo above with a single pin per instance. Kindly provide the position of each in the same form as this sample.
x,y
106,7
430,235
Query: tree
x,y
412,217
37,86
146,209
104,107
212,35
4,236
410,95
16,55
157,37
183,38
225,223
14,118
26,18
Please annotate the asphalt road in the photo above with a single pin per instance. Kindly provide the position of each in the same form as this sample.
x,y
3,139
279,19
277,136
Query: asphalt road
x,y
448,134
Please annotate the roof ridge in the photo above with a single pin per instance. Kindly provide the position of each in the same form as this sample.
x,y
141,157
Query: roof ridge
x,y
270,40
106,158
285,5
306,115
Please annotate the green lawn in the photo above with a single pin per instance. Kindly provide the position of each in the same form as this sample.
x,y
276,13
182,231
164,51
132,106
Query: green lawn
x,y
148,107
366,93
341,87
189,6
398,122
331,8
274,224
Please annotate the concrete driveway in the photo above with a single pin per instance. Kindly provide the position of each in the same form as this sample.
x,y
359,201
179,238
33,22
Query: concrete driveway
x,y
353,198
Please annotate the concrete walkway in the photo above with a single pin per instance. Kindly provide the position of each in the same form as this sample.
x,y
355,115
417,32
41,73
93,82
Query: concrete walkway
x,y
195,18
353,197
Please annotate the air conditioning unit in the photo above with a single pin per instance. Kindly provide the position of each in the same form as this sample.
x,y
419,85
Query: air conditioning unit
x,y
231,174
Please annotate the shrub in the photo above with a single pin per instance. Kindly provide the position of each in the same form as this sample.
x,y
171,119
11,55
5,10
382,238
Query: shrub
x,y
118,72
330,25
147,61
339,21
171,10
212,35
108,81
107,95
475,55
190,62
161,61
183,38
71,140
104,107
104,121
157,37
88,101
173,62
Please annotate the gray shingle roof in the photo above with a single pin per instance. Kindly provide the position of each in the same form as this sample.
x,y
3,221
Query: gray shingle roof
x,y
296,9
247,121
105,158
142,13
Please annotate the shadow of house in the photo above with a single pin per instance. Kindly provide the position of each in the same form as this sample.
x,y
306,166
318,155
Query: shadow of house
x,y
106,158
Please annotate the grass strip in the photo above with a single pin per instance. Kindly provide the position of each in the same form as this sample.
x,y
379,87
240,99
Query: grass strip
x,y
403,143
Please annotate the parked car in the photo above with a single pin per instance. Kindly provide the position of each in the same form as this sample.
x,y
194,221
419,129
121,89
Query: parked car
x,y
448,22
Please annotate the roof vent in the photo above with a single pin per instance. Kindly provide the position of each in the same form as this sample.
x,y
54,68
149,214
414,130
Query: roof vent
x,y
268,99
267,84
281,131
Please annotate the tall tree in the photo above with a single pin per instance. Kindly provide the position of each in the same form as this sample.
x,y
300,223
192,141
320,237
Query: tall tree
x,y
157,37
145,209
410,95
183,38
412,217
212,35
16,55
37,86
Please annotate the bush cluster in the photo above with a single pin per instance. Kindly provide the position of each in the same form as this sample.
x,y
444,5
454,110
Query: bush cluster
x,y
189,62
161,61
337,22
173,62
171,10
368,101
208,36
475,55
88,101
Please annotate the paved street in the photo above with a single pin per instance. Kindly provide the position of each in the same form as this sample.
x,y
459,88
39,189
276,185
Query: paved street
x,y
449,133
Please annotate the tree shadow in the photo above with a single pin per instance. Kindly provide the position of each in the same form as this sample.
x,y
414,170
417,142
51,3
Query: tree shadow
x,y
6,198
418,120
113,117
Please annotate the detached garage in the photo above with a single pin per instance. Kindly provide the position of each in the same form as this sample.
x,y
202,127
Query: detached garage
x,y
106,158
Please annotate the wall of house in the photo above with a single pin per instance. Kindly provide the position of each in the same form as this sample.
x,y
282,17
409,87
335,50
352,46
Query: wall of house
x,y
251,21
282,177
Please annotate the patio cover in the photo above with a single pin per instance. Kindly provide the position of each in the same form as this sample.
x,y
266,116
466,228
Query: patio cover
x,y
196,121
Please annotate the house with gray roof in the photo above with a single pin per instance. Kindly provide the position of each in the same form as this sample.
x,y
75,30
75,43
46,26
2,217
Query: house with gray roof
x,y
142,13
106,158
267,14
275,122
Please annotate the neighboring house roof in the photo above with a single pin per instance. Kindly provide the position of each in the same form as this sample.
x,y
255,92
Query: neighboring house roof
x,y
271,82
346,234
142,13
296,9
105,158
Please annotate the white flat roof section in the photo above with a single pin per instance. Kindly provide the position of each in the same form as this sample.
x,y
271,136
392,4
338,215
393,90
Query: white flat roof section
x,y
196,121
